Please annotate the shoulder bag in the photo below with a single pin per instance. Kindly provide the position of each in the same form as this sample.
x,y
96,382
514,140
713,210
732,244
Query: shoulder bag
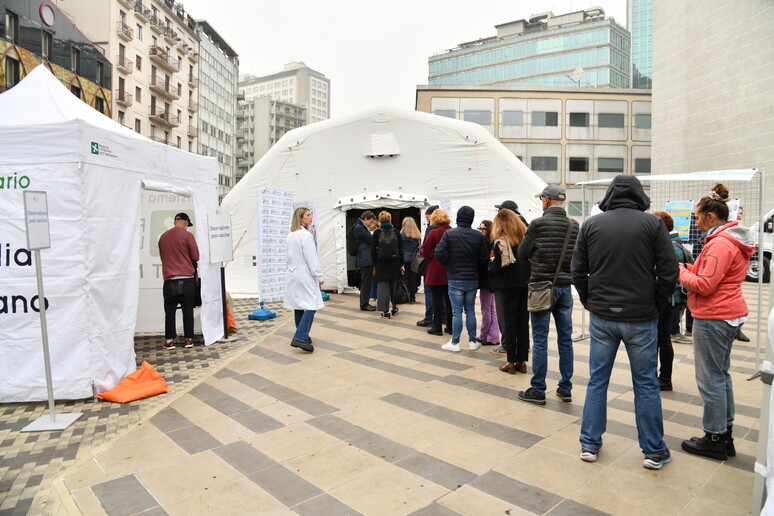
x,y
540,294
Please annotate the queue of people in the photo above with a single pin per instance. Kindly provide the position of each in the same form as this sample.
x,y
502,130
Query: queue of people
x,y
503,258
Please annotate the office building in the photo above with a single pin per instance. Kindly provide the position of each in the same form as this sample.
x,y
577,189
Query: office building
x,y
34,33
217,109
639,20
565,135
295,84
154,47
582,48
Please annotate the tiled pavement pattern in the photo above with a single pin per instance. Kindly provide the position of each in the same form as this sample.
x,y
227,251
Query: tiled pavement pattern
x,y
379,420
30,461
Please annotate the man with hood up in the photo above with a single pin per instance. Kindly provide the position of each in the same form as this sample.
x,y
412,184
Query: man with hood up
x,y
624,269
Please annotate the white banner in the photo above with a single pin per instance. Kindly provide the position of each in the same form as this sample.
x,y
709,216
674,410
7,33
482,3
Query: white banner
x,y
275,208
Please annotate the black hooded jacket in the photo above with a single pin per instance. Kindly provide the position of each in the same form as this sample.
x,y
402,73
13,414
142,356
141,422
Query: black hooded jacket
x,y
463,249
620,254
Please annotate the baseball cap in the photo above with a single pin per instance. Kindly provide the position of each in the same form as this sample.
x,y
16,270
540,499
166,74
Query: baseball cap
x,y
184,216
554,192
431,209
508,205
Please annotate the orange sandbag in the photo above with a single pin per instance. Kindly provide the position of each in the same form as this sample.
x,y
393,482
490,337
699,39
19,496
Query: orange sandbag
x,y
143,383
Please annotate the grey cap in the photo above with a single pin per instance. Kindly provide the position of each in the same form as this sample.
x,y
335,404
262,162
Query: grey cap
x,y
554,192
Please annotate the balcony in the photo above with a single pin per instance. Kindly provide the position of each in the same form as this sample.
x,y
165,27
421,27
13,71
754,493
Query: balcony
x,y
141,11
126,3
243,164
123,98
124,31
193,131
160,139
192,105
158,55
162,86
123,64
157,25
193,56
170,35
193,82
164,118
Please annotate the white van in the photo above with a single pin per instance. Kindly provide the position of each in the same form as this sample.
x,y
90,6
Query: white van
x,y
753,270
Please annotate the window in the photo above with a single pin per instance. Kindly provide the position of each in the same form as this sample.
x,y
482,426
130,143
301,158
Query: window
x,y
579,164
513,117
545,118
100,75
575,209
544,163
11,71
138,63
99,104
121,117
179,89
179,142
611,119
138,32
610,164
642,121
642,166
579,119
75,90
11,27
138,96
137,125
478,117
75,61
46,45
448,113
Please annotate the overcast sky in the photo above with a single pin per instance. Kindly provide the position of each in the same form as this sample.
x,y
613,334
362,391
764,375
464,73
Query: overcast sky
x,y
373,52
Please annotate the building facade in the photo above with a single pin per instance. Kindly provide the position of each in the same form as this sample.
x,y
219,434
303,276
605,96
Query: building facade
x,y
581,48
217,109
37,32
639,20
295,84
565,135
154,47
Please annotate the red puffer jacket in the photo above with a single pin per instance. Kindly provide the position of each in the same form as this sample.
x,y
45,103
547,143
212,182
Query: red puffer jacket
x,y
715,280
436,273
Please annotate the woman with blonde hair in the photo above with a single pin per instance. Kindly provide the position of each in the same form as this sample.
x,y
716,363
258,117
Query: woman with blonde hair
x,y
387,253
435,275
410,237
304,279
508,278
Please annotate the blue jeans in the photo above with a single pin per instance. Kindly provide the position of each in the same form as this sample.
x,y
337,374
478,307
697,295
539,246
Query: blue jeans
x,y
562,312
712,342
462,294
428,303
640,339
304,320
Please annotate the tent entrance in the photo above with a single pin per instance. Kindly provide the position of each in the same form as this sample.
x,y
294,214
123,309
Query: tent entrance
x,y
398,214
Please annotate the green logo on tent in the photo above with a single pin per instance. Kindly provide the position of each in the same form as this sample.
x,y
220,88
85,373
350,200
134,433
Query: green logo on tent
x,y
94,148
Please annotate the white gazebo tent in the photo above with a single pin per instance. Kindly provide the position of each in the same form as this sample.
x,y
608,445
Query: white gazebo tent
x,y
93,170
380,158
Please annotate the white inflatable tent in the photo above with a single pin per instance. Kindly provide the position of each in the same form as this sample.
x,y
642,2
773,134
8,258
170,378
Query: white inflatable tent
x,y
93,170
380,158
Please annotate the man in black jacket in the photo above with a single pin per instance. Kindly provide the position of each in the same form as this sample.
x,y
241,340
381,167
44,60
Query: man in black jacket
x,y
362,234
624,269
463,251
542,245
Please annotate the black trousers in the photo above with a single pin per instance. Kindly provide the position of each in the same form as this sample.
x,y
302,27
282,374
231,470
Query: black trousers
x,y
179,292
513,319
441,296
412,279
366,277
666,353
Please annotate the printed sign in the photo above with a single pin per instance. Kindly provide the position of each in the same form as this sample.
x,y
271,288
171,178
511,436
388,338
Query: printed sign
x,y
36,219
219,231
681,215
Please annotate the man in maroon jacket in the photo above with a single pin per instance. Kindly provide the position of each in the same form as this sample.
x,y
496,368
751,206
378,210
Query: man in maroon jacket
x,y
179,254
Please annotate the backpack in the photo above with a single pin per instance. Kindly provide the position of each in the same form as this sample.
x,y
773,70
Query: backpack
x,y
351,242
388,245
687,258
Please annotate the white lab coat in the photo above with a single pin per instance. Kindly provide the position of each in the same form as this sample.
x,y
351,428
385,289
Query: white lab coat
x,y
302,287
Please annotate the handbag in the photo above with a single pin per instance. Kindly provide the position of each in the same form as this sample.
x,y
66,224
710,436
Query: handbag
x,y
418,263
402,291
540,294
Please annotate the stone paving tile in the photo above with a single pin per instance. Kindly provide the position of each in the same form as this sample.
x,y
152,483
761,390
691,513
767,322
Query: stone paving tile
x,y
124,496
324,505
284,485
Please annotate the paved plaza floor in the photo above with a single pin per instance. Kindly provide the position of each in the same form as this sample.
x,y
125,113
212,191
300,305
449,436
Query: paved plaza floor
x,y
377,421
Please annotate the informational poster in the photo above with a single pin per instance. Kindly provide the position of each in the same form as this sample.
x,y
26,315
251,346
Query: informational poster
x,y
36,219
219,232
735,211
275,209
446,205
681,215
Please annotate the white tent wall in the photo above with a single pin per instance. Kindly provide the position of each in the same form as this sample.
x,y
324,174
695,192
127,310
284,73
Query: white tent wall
x,y
434,157
92,170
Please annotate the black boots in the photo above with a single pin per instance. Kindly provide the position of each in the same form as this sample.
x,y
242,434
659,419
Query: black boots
x,y
741,337
716,446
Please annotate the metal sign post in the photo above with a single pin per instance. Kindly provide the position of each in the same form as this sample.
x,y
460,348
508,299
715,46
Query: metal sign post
x,y
38,237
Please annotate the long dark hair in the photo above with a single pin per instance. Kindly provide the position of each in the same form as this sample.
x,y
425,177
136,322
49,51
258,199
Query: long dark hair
x,y
488,235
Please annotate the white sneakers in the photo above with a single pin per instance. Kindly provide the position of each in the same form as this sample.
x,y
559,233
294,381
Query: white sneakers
x,y
450,346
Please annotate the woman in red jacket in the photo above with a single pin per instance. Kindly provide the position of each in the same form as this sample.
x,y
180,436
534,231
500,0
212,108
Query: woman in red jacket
x,y
435,276
718,308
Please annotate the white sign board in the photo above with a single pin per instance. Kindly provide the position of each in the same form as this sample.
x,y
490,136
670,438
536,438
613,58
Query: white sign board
x,y
219,231
36,220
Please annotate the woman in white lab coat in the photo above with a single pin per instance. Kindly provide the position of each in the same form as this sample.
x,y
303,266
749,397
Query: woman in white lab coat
x,y
304,279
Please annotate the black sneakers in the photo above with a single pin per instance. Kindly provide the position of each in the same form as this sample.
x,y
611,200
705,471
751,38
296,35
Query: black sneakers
x,y
425,322
531,396
306,346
